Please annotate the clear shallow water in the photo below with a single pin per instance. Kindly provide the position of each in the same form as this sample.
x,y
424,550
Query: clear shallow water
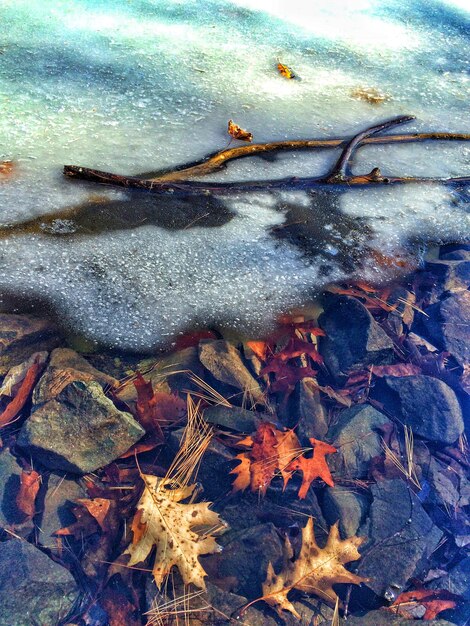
x,y
137,86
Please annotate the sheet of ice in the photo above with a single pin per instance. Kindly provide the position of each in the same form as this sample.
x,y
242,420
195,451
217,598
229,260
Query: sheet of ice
x,y
140,85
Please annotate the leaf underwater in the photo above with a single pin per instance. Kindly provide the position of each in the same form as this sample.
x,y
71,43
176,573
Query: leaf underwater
x,y
273,451
315,570
163,522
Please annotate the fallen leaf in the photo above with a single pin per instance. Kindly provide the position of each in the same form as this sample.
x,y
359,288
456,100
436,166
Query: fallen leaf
x,y
163,522
285,71
92,516
278,452
313,467
423,603
238,133
30,481
119,608
286,375
22,395
7,168
295,348
398,369
18,373
314,571
155,410
369,94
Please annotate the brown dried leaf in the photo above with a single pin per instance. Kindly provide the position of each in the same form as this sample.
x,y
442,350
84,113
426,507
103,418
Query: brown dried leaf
x,y
314,571
238,133
163,522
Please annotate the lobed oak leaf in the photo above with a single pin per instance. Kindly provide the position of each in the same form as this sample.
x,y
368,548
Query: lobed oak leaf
x,y
278,452
238,133
423,603
314,467
179,532
314,571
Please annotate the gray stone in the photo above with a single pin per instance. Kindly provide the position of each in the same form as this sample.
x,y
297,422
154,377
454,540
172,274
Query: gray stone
x,y
170,373
401,538
448,325
353,338
450,275
10,477
33,589
225,364
426,404
80,431
21,335
235,418
356,435
309,413
350,508
66,366
246,556
56,510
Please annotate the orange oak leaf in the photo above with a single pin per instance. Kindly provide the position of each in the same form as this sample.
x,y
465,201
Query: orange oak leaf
x,y
285,71
278,452
22,395
423,603
238,133
30,481
314,467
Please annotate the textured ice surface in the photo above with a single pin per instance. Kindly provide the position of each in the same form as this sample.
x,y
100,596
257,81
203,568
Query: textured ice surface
x,y
140,85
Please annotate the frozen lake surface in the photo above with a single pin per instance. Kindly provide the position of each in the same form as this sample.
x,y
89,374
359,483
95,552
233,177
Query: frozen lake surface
x,y
136,86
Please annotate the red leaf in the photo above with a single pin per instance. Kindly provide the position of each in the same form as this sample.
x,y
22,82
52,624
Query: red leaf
x,y
22,395
296,347
398,369
314,467
30,482
434,601
156,409
189,340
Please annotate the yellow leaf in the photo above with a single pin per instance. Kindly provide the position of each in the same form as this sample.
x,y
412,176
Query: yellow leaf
x,y
315,570
180,532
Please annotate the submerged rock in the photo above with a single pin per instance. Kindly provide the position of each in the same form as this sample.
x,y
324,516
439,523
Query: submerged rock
x,y
347,506
448,325
356,436
307,407
225,364
56,509
246,557
353,338
21,335
66,366
401,538
426,404
79,431
451,275
33,589
10,480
